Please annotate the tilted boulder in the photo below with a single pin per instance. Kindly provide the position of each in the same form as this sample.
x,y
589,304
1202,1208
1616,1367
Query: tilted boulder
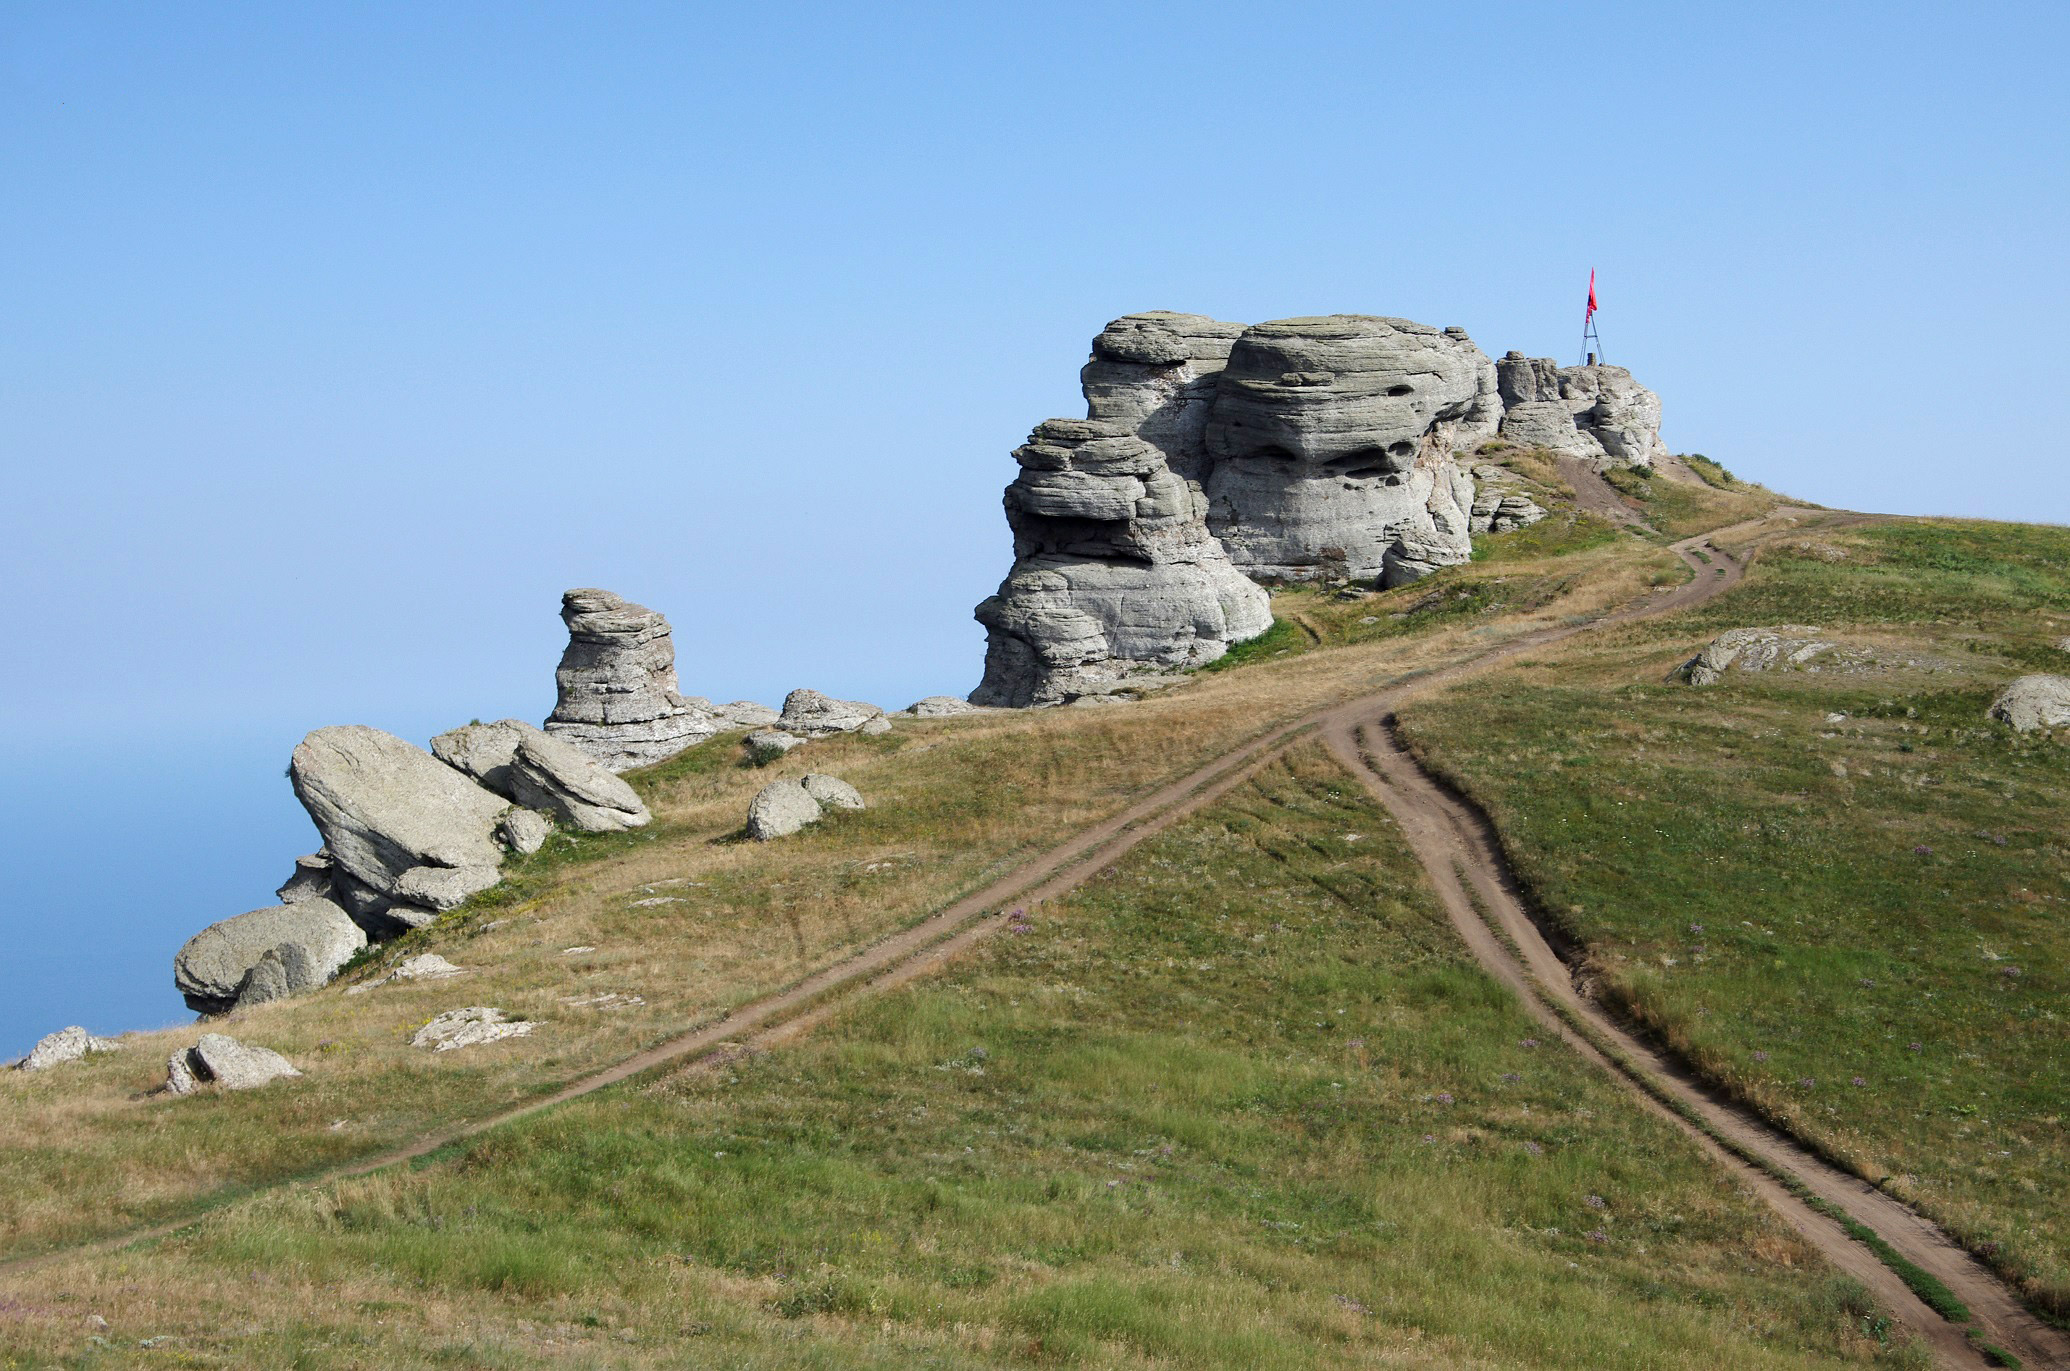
x,y
809,714
544,773
1597,413
308,942
1115,572
408,836
2034,702
65,1045
226,1062
617,685
1330,447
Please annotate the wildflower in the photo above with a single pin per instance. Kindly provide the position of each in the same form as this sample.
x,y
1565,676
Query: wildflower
x,y
1914,1046
1534,1149
1760,1056
1808,1083
1430,1137
1528,1042
1597,1235
1596,1202
2011,973
1866,983
1696,928
1922,850
1444,1097
1857,1081
1512,1077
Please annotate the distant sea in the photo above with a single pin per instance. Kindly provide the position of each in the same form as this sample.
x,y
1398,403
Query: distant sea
x,y
113,852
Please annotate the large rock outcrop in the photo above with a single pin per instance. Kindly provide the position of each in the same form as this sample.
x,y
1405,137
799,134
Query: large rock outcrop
x,y
1597,413
617,686
1155,374
1114,573
407,835
307,942
1330,447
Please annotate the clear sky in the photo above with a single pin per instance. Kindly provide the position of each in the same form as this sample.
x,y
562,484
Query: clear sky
x,y
339,339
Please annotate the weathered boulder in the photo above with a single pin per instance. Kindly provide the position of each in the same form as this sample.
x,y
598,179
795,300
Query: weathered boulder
x,y
942,707
408,836
307,940
312,880
780,809
523,831
65,1045
1154,374
1115,572
227,1062
1598,413
809,714
1500,502
542,772
1756,649
1330,447
470,1027
831,791
770,742
2034,702
617,685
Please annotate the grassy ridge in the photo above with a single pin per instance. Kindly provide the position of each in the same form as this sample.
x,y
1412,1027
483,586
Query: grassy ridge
x,y
1242,1102
1842,896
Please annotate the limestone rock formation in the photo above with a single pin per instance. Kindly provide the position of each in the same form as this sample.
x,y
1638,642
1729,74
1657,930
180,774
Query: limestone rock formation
x,y
307,940
2034,702
1114,572
544,773
780,809
770,742
1330,447
470,1027
1500,503
1154,374
1756,649
227,1062
617,683
407,835
809,714
65,1045
1597,413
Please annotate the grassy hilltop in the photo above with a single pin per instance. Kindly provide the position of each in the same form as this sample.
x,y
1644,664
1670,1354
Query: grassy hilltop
x,y
1243,1098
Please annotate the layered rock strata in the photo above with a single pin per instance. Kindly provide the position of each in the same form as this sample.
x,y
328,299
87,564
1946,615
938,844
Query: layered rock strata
x,y
1597,413
617,686
1330,447
1114,571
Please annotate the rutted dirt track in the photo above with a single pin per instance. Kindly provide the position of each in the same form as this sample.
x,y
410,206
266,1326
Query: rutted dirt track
x,y
1459,851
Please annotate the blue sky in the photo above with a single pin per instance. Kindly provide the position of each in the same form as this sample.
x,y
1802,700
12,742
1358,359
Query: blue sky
x,y
340,339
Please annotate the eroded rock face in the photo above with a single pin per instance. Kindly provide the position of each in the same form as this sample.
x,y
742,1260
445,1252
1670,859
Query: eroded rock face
x,y
307,941
1114,572
2034,702
1330,442
408,836
1598,413
1756,650
617,682
1155,373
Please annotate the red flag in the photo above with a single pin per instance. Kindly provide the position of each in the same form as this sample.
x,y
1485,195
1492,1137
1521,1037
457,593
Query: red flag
x,y
1591,294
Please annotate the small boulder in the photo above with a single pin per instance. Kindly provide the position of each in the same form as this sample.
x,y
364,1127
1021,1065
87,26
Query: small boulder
x,y
770,742
212,969
781,809
457,1028
312,880
876,727
227,1062
523,832
1756,649
813,715
2034,702
831,791
65,1045
942,707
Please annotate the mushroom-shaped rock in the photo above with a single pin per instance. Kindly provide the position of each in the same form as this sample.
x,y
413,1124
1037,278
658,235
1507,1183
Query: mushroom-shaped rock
x,y
780,809
831,791
2034,702
542,772
227,1062
617,684
65,1045
408,835
308,941
1330,447
809,714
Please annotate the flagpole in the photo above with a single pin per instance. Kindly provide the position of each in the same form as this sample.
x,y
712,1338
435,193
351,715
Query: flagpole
x,y
1589,335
